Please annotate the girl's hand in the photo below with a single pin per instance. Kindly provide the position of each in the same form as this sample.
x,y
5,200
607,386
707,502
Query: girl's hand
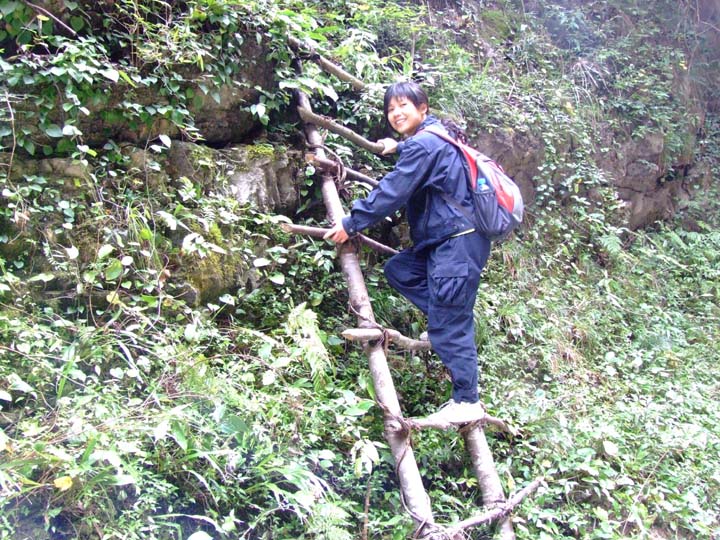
x,y
389,144
337,234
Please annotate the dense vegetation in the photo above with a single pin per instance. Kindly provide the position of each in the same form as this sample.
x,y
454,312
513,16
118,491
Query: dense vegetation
x,y
130,412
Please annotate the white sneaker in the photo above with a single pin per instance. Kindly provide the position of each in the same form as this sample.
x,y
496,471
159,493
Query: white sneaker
x,y
453,412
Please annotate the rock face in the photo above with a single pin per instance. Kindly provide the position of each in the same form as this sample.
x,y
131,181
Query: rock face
x,y
635,167
520,154
259,176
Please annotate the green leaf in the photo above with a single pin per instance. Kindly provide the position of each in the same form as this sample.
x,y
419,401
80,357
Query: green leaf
x,y
76,22
169,219
70,131
330,92
87,150
227,299
16,383
6,8
53,130
5,396
127,79
261,261
165,140
277,278
104,251
610,448
114,270
112,74
29,146
178,433
45,277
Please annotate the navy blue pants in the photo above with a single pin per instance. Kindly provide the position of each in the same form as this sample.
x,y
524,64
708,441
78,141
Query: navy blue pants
x,y
442,281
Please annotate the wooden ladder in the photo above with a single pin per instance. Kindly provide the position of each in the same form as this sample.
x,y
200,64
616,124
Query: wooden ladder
x,y
496,507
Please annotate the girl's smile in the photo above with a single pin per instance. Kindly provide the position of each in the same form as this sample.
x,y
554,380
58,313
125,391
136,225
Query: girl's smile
x,y
404,116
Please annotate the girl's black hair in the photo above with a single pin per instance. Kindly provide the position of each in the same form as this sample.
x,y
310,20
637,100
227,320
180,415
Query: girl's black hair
x,y
412,91
409,90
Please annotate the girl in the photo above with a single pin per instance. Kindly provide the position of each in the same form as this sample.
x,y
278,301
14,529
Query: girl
x,y
440,273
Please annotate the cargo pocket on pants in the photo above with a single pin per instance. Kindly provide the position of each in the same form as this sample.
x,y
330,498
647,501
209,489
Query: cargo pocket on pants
x,y
448,284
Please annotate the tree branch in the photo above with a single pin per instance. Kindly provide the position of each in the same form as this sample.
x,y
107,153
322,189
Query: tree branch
x,y
332,166
319,232
426,423
327,65
310,117
372,334
496,513
45,12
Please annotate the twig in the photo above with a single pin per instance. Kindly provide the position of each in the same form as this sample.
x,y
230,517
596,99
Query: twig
x,y
367,508
45,12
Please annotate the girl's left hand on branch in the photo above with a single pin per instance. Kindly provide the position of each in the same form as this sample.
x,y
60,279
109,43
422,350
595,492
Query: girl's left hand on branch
x,y
337,234
389,144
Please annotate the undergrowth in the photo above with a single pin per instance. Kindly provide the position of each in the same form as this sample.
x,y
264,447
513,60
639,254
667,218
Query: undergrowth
x,y
132,406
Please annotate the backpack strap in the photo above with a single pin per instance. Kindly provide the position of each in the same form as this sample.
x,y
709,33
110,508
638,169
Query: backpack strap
x,y
472,169
464,211
467,152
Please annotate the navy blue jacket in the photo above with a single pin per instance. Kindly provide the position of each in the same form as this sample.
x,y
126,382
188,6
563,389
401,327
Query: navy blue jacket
x,y
427,166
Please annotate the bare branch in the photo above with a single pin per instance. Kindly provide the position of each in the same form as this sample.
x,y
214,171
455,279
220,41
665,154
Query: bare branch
x,y
329,165
372,334
319,232
327,65
45,12
310,117
498,512
426,422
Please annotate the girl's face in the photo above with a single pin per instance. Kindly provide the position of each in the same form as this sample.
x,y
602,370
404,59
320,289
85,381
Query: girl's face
x,y
404,116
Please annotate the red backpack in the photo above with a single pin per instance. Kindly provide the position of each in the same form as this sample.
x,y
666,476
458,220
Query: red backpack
x,y
497,202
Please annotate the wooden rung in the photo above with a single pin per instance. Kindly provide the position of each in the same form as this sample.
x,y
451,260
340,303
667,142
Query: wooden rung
x,y
502,510
426,422
329,165
374,334
319,232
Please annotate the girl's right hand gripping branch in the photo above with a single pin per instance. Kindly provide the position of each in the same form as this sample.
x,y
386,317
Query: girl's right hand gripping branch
x,y
337,234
